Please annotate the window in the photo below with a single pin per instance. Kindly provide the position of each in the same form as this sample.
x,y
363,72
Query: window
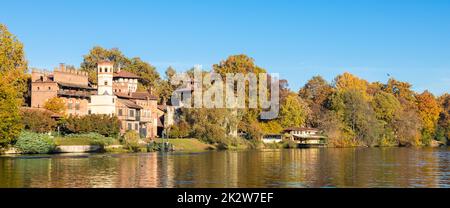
x,y
77,106
106,83
89,112
129,126
131,114
49,88
114,100
100,70
120,112
136,126
69,106
38,88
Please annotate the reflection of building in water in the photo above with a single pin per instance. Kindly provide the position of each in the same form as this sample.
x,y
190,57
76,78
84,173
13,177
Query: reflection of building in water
x,y
166,171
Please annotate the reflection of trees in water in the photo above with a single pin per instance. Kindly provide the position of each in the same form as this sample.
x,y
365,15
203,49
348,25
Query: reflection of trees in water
x,y
389,167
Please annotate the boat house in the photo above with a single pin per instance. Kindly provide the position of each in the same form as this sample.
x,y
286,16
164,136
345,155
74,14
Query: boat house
x,y
306,137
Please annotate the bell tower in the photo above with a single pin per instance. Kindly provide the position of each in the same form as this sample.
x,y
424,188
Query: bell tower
x,y
105,100
105,70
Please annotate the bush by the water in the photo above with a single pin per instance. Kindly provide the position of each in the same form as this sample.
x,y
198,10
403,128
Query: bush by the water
x,y
85,139
38,121
34,143
131,141
102,124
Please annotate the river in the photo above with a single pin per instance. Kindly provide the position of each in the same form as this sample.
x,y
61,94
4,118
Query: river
x,y
298,168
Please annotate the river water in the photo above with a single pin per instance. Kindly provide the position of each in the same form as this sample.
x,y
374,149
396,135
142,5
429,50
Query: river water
x,y
299,168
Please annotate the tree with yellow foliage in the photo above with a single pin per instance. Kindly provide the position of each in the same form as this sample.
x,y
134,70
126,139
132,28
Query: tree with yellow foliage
x,y
12,85
350,82
56,105
429,111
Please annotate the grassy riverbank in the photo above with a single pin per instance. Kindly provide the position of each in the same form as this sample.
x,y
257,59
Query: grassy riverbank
x,y
188,145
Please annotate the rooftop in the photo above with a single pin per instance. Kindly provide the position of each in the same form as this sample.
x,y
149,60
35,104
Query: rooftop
x,y
125,74
136,95
130,104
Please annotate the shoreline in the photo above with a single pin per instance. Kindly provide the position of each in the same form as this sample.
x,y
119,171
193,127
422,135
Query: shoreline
x,y
182,146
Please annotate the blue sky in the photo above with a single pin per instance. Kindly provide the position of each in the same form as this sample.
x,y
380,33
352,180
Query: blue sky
x,y
409,39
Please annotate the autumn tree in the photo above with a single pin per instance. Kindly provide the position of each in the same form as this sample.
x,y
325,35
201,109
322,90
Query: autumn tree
x,y
444,118
13,85
293,112
347,81
358,115
387,108
242,64
429,111
316,93
55,105
402,90
407,127
38,121
10,125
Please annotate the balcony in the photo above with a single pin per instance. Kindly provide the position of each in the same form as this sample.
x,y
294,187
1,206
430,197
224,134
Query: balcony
x,y
78,94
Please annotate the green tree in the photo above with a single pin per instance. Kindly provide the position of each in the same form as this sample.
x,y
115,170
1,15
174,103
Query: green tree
x,y
294,112
147,73
387,108
165,88
444,118
98,54
358,115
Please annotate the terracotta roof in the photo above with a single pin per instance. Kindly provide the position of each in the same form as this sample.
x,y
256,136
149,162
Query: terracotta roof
x,y
130,104
136,95
125,74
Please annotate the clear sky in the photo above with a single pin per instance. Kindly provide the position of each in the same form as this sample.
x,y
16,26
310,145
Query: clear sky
x,y
409,39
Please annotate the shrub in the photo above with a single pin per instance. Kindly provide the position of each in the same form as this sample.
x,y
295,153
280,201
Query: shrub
x,y
38,121
85,139
131,141
34,143
102,124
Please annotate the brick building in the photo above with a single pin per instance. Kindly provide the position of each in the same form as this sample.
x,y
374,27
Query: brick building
x,y
115,94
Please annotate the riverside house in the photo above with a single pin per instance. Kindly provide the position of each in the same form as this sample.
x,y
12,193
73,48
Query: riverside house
x,y
306,137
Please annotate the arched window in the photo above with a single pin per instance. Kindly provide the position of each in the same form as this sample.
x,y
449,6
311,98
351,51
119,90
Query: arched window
x,y
100,70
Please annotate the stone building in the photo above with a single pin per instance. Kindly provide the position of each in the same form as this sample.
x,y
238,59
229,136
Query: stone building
x,y
70,85
116,94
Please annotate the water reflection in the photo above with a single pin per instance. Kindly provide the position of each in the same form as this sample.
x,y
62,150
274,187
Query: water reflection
x,y
390,167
